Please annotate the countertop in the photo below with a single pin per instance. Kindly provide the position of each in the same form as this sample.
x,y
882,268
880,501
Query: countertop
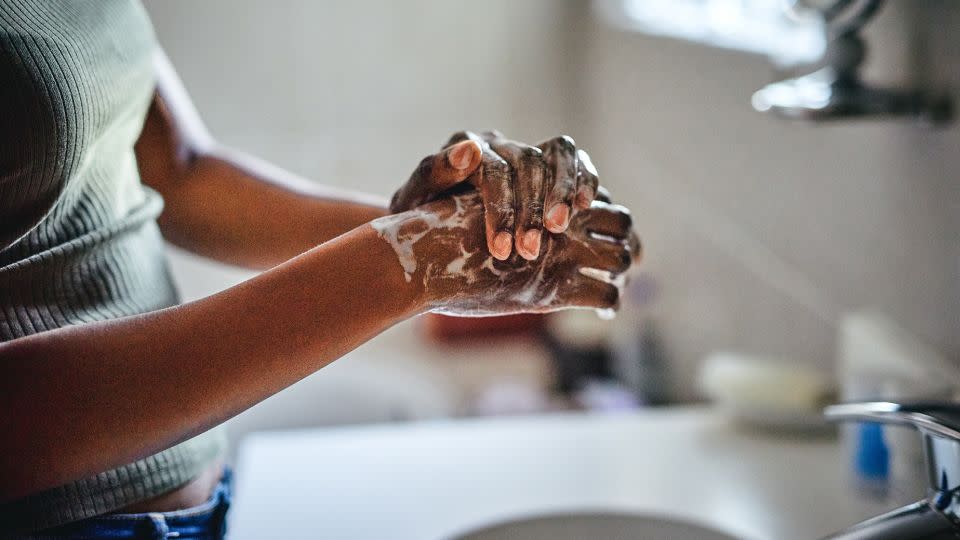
x,y
430,480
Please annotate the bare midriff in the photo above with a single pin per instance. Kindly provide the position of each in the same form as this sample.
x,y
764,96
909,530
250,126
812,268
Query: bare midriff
x,y
193,493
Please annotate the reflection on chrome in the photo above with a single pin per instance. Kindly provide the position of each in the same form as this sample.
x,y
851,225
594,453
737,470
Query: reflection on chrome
x,y
835,89
937,516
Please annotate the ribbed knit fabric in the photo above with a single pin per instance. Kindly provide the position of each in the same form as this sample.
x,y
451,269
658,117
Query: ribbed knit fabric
x,y
78,236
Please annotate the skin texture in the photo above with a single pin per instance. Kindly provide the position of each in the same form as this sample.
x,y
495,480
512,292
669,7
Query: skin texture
x,y
123,389
165,376
524,188
441,247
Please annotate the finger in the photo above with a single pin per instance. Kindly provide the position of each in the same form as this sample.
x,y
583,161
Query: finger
x,y
614,257
605,219
529,172
584,291
496,189
560,155
493,181
454,164
587,181
636,247
437,173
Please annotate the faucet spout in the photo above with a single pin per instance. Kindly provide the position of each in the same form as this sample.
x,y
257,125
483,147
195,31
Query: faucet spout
x,y
836,90
938,516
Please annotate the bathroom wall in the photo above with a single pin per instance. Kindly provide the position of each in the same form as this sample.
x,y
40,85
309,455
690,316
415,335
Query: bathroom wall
x,y
760,233
355,93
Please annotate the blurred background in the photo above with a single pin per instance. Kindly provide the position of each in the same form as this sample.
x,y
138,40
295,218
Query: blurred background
x,y
787,262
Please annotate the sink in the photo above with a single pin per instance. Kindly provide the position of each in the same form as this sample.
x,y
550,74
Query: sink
x,y
577,526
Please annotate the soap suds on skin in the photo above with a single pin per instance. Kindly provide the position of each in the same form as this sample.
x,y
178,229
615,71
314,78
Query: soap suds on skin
x,y
456,265
389,228
502,289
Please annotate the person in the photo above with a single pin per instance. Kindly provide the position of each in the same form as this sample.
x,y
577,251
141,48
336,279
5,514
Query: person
x,y
112,390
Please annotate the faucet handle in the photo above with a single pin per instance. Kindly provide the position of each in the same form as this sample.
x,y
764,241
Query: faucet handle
x,y
939,423
940,419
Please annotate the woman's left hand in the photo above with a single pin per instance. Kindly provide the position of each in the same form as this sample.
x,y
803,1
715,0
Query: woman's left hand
x,y
524,188
440,247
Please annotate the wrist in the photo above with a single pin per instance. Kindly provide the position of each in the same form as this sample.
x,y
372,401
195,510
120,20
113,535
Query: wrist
x,y
410,295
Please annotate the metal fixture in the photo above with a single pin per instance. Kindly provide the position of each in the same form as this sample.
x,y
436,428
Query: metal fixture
x,y
938,516
835,89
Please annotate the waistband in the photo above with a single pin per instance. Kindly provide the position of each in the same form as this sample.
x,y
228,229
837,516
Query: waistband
x,y
204,521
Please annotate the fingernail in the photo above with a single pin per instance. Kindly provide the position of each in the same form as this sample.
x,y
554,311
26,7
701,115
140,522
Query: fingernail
x,y
501,245
461,155
559,215
531,241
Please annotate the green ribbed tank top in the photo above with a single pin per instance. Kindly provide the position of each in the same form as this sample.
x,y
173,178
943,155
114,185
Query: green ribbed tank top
x,y
78,235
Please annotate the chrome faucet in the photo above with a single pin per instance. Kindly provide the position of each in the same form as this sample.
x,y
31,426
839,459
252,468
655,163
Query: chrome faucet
x,y
938,516
836,90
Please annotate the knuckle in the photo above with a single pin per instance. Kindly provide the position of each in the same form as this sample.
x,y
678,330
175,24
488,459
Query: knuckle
x,y
589,181
500,208
497,169
566,143
534,210
611,296
564,146
425,167
531,156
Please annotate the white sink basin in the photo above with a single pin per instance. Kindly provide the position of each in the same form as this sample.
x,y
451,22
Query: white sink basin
x,y
610,526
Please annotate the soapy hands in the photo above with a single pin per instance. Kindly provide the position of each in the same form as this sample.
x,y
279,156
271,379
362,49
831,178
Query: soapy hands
x,y
524,188
441,245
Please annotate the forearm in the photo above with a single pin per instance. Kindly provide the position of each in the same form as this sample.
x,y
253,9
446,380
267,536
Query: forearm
x,y
226,205
240,210
119,390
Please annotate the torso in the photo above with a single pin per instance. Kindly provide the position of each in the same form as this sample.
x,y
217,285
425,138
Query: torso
x,y
79,241
194,493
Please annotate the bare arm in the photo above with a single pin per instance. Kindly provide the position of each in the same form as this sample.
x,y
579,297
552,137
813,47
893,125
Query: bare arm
x,y
88,398
230,206
80,400
84,399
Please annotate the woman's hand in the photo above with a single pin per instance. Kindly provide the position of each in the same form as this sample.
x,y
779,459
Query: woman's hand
x,y
523,188
441,245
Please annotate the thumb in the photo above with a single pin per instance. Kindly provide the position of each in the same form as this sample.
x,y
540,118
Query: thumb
x,y
438,173
454,164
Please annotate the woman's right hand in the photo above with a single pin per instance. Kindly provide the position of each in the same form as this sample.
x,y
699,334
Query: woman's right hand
x,y
442,246
527,190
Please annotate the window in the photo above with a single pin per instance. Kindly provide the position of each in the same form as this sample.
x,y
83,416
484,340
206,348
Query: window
x,y
767,27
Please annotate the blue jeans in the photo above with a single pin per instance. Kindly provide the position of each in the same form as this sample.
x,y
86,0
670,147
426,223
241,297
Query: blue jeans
x,y
203,522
